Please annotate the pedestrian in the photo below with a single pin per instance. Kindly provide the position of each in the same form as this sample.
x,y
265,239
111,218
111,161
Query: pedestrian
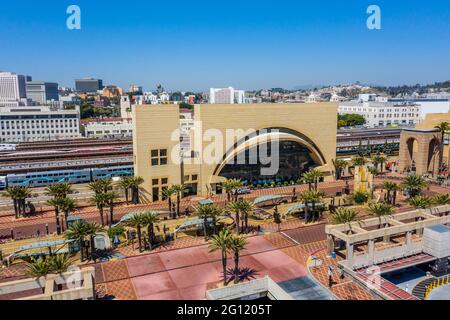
x,y
342,273
330,276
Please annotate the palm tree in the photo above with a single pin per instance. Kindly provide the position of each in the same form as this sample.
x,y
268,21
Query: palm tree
x,y
379,160
420,202
235,206
13,193
231,186
56,203
149,218
67,205
59,190
125,184
391,188
37,268
101,186
111,197
22,194
359,160
207,211
344,215
441,199
100,200
442,127
78,231
135,186
312,177
380,210
93,229
179,190
60,263
237,244
168,193
414,185
339,167
310,197
136,221
221,241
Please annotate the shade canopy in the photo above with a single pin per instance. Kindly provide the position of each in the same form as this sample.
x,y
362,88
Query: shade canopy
x,y
270,197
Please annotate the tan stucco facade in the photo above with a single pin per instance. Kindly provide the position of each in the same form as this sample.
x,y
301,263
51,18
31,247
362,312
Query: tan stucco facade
x,y
154,127
433,119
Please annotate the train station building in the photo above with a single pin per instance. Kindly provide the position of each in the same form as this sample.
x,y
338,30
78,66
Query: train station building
x,y
257,143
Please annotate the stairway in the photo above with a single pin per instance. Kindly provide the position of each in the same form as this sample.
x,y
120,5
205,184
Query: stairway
x,y
420,288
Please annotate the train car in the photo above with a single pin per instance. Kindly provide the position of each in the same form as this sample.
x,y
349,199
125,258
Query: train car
x,y
110,172
7,147
45,178
3,184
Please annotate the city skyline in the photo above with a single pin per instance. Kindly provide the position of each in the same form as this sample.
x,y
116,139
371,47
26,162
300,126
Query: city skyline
x,y
197,46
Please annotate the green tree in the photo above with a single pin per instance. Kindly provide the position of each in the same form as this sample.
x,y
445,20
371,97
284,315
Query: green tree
x,y
206,212
125,184
414,185
149,219
420,202
168,194
221,241
339,166
312,177
380,210
56,203
441,199
67,205
136,221
111,197
359,161
79,232
136,183
310,197
230,186
392,188
100,200
237,245
179,191
344,215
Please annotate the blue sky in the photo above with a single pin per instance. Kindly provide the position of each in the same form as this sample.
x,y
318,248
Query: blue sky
x,y
194,45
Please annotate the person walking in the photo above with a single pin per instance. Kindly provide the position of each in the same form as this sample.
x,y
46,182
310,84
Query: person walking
x,y
330,276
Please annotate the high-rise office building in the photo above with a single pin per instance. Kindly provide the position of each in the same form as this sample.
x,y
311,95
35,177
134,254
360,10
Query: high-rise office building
x,y
88,85
226,95
12,86
42,92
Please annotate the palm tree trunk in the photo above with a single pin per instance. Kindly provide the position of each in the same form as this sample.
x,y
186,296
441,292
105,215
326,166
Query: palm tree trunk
x,y
394,198
205,221
236,266
224,267
66,216
58,227
16,210
306,212
111,213
126,195
237,222
100,209
178,206
246,222
151,235
170,207
139,237
92,243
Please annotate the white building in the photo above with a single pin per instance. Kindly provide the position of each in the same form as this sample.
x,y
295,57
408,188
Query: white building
x,y
382,113
38,124
109,128
125,107
428,104
12,89
226,95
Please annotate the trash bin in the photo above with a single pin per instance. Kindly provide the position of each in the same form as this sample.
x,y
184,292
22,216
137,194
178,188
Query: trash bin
x,y
333,255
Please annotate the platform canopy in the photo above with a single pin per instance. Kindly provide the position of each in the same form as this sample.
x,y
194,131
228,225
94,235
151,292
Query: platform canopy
x,y
301,206
270,197
205,202
43,244
129,215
